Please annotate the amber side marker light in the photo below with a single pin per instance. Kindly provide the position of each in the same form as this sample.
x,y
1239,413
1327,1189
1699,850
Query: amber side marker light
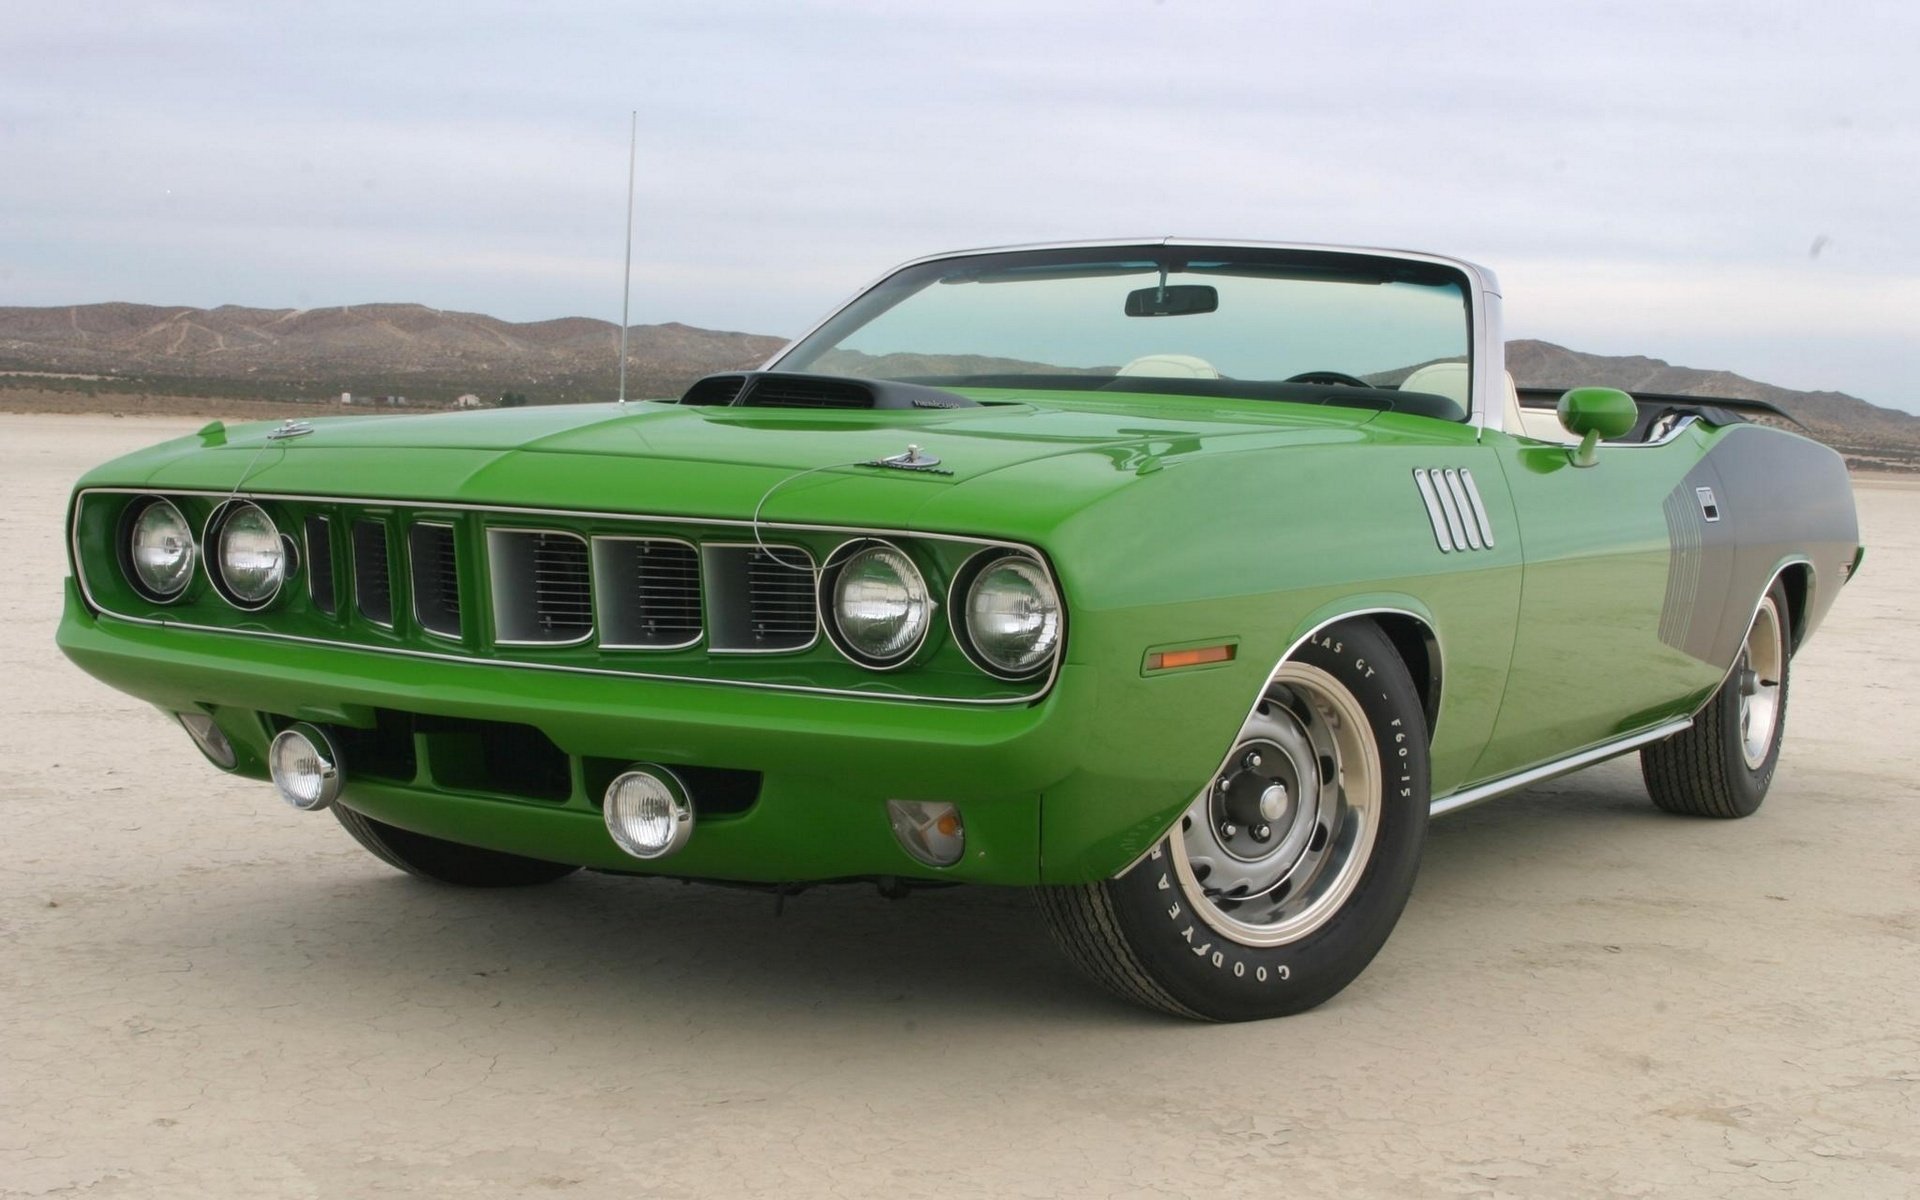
x,y
1168,660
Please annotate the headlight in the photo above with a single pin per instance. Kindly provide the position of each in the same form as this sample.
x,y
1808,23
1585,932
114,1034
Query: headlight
x,y
648,812
878,602
160,550
1013,616
252,558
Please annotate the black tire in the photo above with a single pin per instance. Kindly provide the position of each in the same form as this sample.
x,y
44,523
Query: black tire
x,y
1143,935
1705,771
447,862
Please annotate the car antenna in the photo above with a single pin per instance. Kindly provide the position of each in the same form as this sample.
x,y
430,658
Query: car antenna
x,y
626,283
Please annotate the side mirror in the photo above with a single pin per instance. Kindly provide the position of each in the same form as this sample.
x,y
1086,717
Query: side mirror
x,y
1593,413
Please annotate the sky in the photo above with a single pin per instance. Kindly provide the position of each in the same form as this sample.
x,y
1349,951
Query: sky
x,y
1722,185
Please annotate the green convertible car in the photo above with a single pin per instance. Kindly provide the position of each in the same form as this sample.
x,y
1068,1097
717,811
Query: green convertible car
x,y
1181,581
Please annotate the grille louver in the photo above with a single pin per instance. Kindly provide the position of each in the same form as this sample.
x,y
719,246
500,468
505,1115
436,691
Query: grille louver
x,y
647,591
320,579
780,596
541,589
761,599
372,573
436,578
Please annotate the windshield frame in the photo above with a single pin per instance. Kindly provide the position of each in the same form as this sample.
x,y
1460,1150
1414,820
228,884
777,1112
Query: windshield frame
x,y
1486,355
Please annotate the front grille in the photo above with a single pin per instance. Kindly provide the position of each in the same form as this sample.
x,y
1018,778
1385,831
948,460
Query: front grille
x,y
372,578
495,757
500,759
647,591
384,751
542,594
665,597
761,598
435,573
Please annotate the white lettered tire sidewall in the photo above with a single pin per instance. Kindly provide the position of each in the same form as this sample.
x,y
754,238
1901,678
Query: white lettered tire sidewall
x,y
1215,975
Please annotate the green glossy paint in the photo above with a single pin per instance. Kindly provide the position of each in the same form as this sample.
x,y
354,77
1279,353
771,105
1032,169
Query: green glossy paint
x,y
1168,520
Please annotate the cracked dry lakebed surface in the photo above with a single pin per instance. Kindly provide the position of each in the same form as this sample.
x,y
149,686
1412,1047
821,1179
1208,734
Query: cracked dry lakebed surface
x,y
205,994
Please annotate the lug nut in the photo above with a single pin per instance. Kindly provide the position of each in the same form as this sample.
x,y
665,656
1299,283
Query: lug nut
x,y
1253,761
1262,833
1228,830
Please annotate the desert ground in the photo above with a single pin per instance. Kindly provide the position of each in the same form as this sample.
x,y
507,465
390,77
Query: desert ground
x,y
203,993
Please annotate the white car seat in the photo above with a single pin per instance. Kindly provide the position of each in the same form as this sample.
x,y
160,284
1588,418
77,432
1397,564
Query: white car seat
x,y
1170,366
1451,380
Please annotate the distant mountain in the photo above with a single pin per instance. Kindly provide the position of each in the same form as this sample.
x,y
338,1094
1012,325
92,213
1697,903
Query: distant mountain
x,y
367,349
1835,415
433,355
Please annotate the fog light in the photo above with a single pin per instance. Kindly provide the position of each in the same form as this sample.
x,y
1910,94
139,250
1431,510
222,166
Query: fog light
x,y
648,812
305,767
931,832
207,736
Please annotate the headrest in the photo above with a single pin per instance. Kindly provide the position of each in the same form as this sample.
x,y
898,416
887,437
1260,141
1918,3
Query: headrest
x,y
1171,366
1449,379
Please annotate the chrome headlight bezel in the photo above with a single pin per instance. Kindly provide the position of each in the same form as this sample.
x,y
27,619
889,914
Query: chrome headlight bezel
x,y
966,586
131,524
833,573
220,524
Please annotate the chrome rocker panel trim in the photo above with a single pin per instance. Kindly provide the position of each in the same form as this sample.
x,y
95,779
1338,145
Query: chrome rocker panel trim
x,y
1467,797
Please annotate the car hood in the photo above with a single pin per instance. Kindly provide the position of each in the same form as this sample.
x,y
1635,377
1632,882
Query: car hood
x,y
788,465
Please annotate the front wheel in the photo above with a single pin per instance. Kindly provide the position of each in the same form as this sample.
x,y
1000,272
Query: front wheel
x,y
447,862
1284,877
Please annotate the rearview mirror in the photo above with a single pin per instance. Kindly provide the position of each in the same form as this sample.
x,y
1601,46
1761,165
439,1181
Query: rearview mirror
x,y
1175,300
1593,413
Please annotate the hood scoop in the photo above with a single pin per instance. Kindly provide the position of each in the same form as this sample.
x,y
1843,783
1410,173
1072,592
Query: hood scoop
x,y
786,389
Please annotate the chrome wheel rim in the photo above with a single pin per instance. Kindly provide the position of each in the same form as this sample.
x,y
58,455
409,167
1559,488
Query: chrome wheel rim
x,y
1277,842
1757,678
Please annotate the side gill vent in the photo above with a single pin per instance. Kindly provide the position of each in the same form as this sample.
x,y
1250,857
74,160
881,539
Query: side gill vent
x,y
372,573
541,590
1454,507
647,591
320,578
760,600
801,391
436,578
715,390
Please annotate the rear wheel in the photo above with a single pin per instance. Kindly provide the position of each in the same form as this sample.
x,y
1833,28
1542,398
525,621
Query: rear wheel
x,y
1723,765
1283,879
447,862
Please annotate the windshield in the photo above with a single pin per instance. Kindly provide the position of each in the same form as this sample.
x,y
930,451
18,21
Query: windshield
x,y
1257,323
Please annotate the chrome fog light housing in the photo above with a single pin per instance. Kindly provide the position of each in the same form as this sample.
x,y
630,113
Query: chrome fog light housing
x,y
305,766
1012,617
878,603
250,555
929,831
160,550
209,738
648,812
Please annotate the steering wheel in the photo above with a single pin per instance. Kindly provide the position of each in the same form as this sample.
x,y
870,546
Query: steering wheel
x,y
1327,377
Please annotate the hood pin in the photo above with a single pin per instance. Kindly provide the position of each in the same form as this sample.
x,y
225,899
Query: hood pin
x,y
912,460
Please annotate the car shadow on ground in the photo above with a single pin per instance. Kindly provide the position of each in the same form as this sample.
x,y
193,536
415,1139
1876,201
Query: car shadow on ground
x,y
616,944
